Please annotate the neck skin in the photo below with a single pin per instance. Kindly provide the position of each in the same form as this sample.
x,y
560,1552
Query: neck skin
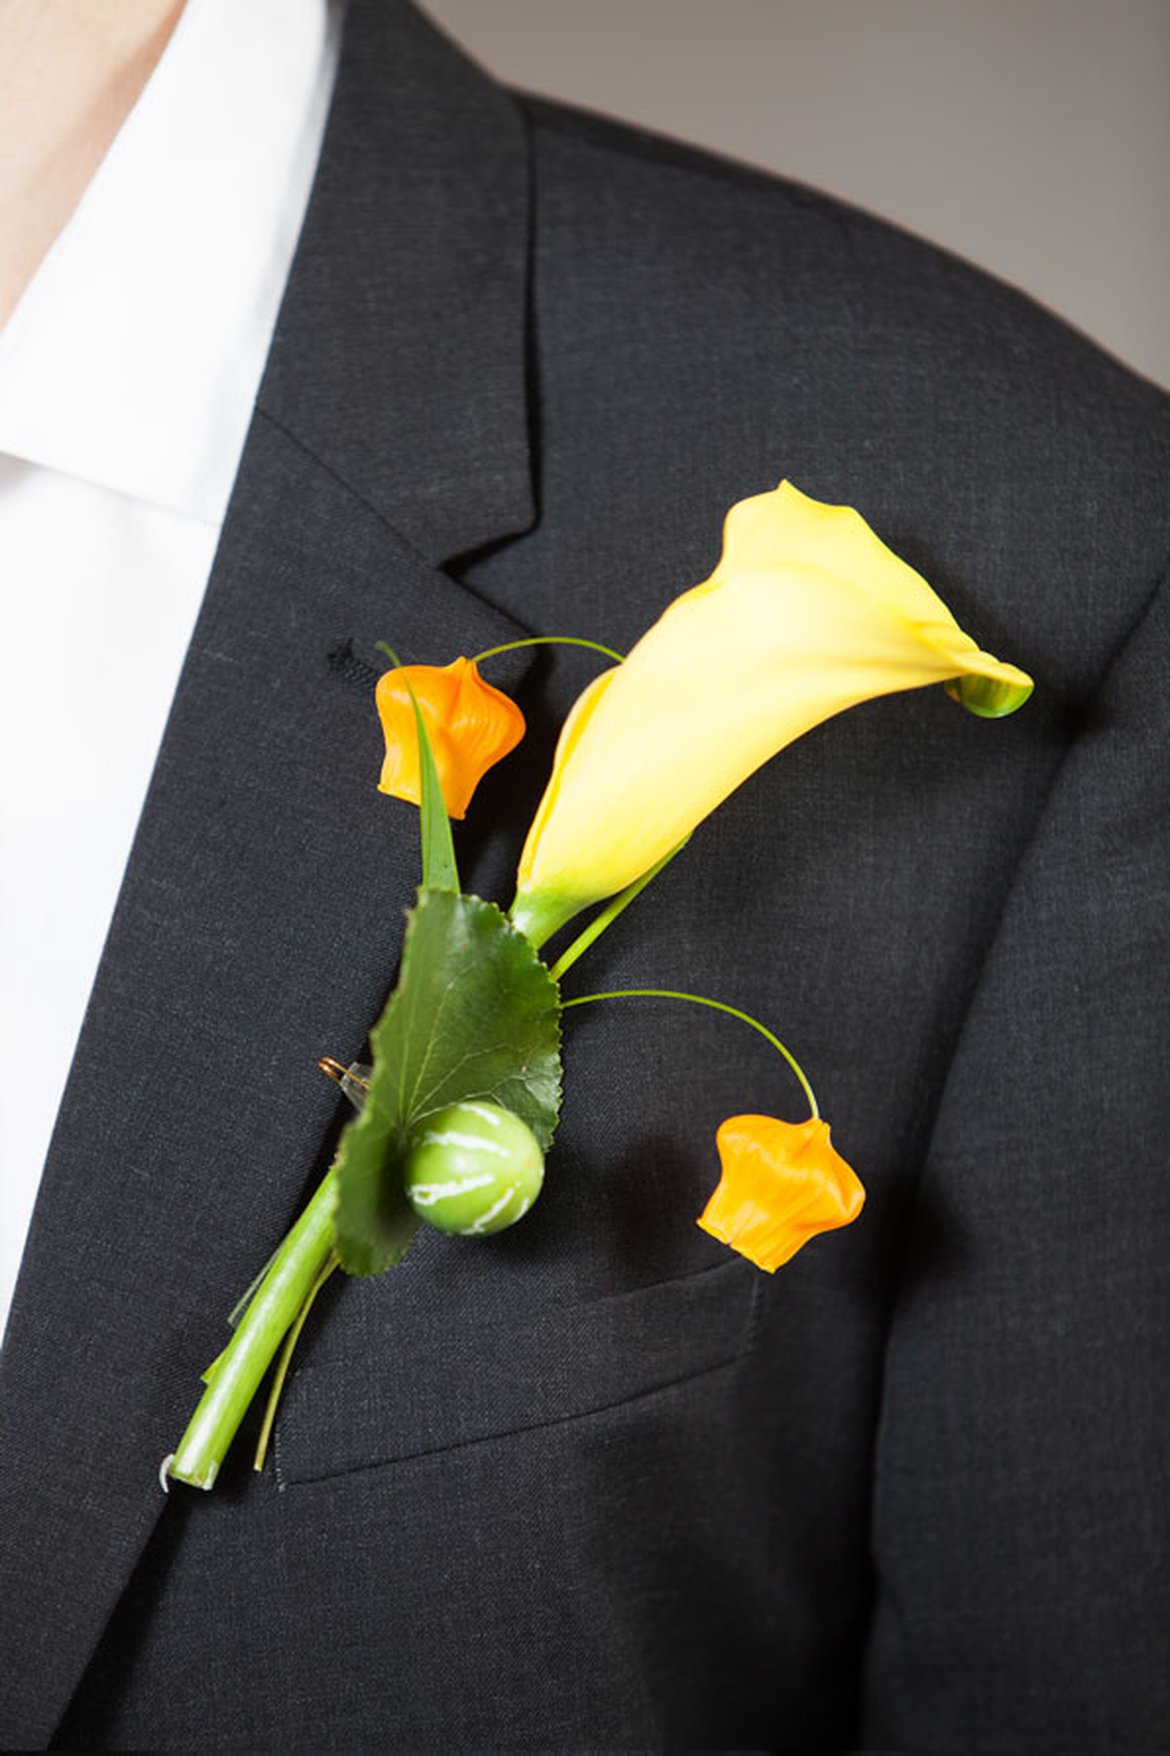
x,y
70,73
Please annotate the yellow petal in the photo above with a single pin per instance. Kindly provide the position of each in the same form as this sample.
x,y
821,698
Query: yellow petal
x,y
470,725
806,614
782,1184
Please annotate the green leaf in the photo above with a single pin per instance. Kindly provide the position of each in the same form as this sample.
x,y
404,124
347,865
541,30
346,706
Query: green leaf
x,y
438,850
439,871
373,1222
475,1014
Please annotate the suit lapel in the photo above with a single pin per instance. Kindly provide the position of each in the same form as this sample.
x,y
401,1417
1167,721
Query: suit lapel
x,y
257,924
405,318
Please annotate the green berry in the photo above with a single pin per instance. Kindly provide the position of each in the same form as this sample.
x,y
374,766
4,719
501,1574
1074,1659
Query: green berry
x,y
473,1168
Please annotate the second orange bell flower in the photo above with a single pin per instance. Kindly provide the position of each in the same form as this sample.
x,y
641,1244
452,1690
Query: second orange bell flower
x,y
782,1183
471,726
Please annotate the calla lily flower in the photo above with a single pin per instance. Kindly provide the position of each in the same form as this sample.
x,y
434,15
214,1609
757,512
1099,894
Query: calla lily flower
x,y
806,614
782,1184
471,726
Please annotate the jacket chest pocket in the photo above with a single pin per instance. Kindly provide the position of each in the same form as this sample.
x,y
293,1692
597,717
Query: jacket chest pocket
x,y
403,1375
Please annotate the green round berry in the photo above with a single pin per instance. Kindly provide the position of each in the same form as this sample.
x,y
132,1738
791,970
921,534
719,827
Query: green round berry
x,y
473,1168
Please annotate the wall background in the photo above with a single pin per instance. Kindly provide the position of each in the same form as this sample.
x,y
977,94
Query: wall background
x,y
1031,136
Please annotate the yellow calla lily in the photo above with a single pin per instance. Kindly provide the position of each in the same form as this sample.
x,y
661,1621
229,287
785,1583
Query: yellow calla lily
x,y
807,613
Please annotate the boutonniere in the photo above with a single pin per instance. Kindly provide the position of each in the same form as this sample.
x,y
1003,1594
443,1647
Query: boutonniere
x,y
807,613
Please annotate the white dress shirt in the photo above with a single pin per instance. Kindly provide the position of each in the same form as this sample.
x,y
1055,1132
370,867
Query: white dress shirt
x,y
128,373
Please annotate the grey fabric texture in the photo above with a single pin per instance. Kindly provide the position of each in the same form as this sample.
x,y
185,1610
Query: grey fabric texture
x,y
593,1483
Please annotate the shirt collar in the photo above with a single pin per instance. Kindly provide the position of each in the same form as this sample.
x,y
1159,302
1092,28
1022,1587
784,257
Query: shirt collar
x,y
134,357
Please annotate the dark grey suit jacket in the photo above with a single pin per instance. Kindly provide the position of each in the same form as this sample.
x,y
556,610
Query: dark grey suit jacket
x,y
595,1483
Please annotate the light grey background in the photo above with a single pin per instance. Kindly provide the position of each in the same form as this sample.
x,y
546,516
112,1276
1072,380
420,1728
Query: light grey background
x,y
1031,136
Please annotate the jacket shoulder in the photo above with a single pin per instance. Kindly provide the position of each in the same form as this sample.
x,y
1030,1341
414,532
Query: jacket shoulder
x,y
732,326
767,223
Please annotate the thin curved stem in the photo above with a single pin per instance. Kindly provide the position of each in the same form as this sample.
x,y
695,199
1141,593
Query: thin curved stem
x,y
282,1365
610,913
549,640
716,1006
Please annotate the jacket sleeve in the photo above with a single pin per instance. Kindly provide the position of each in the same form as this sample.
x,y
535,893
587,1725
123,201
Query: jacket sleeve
x,y
1021,1501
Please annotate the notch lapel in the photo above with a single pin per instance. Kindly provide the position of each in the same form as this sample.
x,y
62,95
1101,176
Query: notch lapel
x,y
405,318
256,927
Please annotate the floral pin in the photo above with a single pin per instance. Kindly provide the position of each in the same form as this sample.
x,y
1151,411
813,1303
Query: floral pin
x,y
806,614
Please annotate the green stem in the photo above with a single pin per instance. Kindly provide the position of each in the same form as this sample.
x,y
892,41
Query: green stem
x,y
439,870
717,1006
286,1354
275,1306
242,1303
548,640
610,913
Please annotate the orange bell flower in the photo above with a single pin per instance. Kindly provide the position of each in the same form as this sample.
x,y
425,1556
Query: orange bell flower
x,y
782,1183
471,727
